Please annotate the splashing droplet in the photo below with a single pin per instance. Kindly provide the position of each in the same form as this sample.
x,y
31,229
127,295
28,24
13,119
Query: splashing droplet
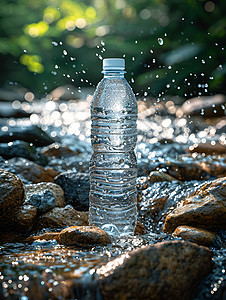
x,y
160,41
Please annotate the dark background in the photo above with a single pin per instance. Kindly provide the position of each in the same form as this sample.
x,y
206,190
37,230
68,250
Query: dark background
x,y
171,47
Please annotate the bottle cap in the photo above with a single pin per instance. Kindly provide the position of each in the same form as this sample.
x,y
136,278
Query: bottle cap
x,y
113,64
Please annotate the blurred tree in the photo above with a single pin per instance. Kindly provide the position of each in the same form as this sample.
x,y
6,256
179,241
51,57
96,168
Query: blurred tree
x,y
171,47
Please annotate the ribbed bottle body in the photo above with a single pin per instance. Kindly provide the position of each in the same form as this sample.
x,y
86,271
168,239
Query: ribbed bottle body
x,y
113,166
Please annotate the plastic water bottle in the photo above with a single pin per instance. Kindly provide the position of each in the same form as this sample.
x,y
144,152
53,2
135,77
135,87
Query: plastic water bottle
x,y
113,165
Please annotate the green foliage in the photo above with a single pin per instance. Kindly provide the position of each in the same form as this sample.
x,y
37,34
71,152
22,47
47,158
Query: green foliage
x,y
171,47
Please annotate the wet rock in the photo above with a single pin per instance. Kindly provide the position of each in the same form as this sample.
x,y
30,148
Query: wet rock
x,y
57,150
29,172
205,106
11,237
12,196
208,148
215,167
140,229
156,176
22,149
83,236
47,236
196,235
167,270
24,218
142,183
41,187
185,170
217,188
206,209
76,189
43,201
31,134
60,217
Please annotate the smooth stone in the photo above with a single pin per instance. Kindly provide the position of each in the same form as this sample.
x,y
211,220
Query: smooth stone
x,y
208,148
200,236
205,209
12,196
29,172
58,151
24,218
83,236
205,106
56,190
22,149
167,270
60,217
47,236
76,189
31,134
156,176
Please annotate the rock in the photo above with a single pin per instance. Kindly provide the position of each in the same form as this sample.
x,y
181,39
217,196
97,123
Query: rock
x,y
31,134
156,176
208,148
196,235
217,188
43,201
29,172
205,106
24,218
22,149
76,189
215,167
140,229
41,187
206,209
47,236
83,236
62,217
12,196
142,183
166,270
185,171
11,237
57,150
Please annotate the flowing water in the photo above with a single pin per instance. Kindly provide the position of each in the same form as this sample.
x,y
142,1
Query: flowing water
x,y
58,272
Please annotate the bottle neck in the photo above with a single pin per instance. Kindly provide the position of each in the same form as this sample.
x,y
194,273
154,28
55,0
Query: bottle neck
x,y
113,73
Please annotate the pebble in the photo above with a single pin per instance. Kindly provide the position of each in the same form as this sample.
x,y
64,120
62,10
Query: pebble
x,y
83,236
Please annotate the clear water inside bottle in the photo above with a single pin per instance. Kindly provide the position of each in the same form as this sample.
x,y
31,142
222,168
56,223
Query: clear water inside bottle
x,y
113,166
